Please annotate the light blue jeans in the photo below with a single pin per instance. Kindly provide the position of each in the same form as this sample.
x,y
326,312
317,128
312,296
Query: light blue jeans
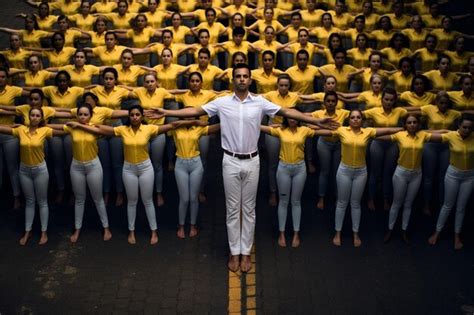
x,y
329,159
9,150
458,185
290,179
383,161
272,145
85,174
61,149
350,187
188,174
139,177
34,182
405,187
435,160
157,150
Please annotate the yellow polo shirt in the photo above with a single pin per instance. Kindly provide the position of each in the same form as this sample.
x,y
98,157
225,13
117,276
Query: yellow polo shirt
x,y
156,99
417,40
38,79
24,111
156,19
99,114
341,21
399,23
310,48
411,148
16,59
288,101
359,59
135,144
97,39
106,57
175,48
323,34
84,144
120,22
319,97
438,120
394,56
202,98
32,145
113,99
179,35
83,77
461,150
66,100
401,82
208,75
341,75
340,115
458,62
381,37
414,100
167,77
292,143
7,97
460,101
354,145
33,38
428,59
187,140
46,24
381,119
444,38
101,7
84,23
302,80
129,76
441,83
265,83
370,99
59,59
214,30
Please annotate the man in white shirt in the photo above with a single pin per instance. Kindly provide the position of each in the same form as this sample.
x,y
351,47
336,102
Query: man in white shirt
x,y
240,116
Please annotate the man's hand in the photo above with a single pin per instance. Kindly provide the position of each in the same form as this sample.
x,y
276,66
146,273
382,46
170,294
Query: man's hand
x,y
327,123
155,113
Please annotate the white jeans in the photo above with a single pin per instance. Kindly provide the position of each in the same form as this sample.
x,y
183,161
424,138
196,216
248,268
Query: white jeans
x,y
34,183
139,177
240,185
85,174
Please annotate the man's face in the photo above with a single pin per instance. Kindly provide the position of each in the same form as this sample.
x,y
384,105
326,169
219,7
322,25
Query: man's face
x,y
242,79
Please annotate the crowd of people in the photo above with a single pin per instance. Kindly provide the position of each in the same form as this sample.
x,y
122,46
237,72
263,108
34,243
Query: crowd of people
x,y
364,92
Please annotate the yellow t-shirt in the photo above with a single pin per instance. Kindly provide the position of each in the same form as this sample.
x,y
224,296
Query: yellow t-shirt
x,y
370,99
66,100
265,83
84,144
414,100
32,145
460,101
187,141
156,19
461,150
203,97
441,83
156,99
341,75
101,7
7,97
64,7
432,22
59,59
16,59
366,77
458,61
342,21
129,76
417,40
340,115
33,38
438,120
292,143
310,48
99,114
428,59
97,39
302,80
444,38
84,23
359,59
287,101
135,144
46,23
214,30
323,34
312,19
394,56
399,23
401,82
381,119
118,21
70,36
24,111
38,79
354,145
106,57
381,37
113,99
167,77
179,35
83,77
411,148
208,75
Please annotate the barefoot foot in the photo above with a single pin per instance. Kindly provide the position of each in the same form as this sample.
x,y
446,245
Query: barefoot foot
x,y
180,232
107,234
154,238
131,238
245,264
433,238
24,239
357,241
160,201
44,238
193,232
233,263
75,236
295,242
282,239
336,240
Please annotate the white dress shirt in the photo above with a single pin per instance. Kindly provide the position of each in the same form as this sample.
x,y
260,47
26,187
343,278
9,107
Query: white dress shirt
x,y
240,120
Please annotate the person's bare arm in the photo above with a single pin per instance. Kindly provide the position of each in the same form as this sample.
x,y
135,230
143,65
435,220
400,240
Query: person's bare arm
x,y
387,131
324,123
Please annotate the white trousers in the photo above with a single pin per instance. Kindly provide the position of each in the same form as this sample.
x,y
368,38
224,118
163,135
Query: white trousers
x,y
34,182
240,185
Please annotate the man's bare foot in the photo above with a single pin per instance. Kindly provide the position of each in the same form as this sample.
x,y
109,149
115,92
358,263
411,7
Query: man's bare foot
x,y
336,240
320,204
433,238
386,205
106,198
193,232
405,237
160,201
282,239
357,241
24,239
233,263
44,238
180,232
296,240
202,197
119,199
154,238
170,166
107,234
371,205
75,236
131,238
16,202
427,210
387,237
311,167
457,242
59,197
272,199
246,263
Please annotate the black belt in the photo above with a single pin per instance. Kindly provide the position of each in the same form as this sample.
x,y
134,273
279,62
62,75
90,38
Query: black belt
x,y
241,156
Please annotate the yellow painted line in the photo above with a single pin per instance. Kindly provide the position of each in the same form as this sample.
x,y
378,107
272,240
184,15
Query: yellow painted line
x,y
243,295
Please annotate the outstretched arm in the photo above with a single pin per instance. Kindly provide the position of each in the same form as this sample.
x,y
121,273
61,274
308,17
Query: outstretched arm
x,y
158,113
324,123
98,130
387,131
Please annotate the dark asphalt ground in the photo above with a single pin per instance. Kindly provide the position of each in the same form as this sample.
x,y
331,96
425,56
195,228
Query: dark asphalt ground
x,y
190,276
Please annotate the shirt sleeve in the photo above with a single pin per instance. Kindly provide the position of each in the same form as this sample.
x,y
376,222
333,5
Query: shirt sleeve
x,y
212,108
275,132
269,108
372,132
118,130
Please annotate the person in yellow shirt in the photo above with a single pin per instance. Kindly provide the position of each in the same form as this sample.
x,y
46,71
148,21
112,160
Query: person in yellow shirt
x,y
458,55
340,70
383,33
302,43
351,175
463,99
137,172
135,6
209,72
215,29
371,18
16,55
189,169
80,72
237,20
168,72
104,6
302,75
284,98
141,35
418,95
399,19
31,36
83,20
59,55
34,177
128,72
226,76
442,79
329,148
292,29
66,7
403,77
407,176
70,35
311,16
44,18
416,34
155,15
340,17
459,179
427,56
9,144
266,77
291,173
120,19
258,28
329,84
109,54
323,32
178,30
445,34
35,75
237,6
236,44
97,34
367,99
359,55
268,43
86,170
398,48
359,28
